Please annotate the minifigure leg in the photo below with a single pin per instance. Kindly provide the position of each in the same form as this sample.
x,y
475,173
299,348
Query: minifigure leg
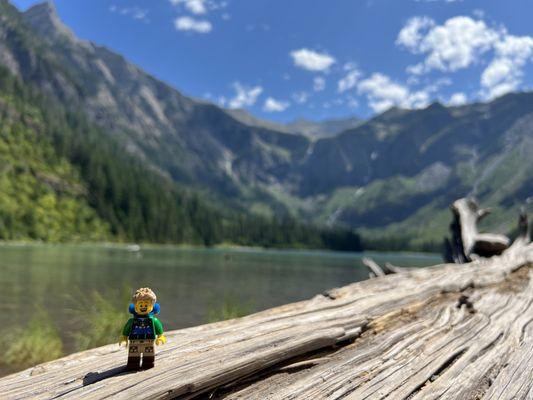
x,y
134,356
148,362
148,355
133,363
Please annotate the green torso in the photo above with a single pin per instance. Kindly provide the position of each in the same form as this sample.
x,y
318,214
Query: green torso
x,y
143,327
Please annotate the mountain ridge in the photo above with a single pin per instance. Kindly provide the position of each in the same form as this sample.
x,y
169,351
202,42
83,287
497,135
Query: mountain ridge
x,y
312,130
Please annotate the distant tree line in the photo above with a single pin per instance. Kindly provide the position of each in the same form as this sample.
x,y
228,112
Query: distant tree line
x,y
398,243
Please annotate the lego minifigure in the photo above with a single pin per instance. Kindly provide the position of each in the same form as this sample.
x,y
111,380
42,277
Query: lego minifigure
x,y
142,330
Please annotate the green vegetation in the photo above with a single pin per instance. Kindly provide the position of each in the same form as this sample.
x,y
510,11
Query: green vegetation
x,y
41,195
287,233
38,342
229,309
98,322
101,319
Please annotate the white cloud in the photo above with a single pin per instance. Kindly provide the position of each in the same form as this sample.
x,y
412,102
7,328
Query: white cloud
x,y
462,41
196,6
417,69
457,99
382,93
349,66
516,47
499,78
411,34
454,45
435,84
319,84
244,96
300,97
194,25
193,6
311,60
273,105
349,81
504,73
133,12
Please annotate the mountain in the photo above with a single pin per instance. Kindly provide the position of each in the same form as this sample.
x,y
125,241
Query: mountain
x,y
397,174
191,142
391,177
323,129
313,130
63,179
250,120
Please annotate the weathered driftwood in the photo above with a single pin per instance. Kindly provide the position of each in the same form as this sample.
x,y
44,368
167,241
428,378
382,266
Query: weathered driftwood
x,y
467,243
376,270
448,332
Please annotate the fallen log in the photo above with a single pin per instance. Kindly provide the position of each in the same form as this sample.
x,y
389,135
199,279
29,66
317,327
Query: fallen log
x,y
467,243
448,331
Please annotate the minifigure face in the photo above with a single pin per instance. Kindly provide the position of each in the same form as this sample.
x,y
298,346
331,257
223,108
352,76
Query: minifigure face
x,y
143,307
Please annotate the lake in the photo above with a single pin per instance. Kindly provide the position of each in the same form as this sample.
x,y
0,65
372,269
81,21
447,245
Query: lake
x,y
188,282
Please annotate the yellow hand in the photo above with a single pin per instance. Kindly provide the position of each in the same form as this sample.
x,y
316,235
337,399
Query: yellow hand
x,y
161,339
123,339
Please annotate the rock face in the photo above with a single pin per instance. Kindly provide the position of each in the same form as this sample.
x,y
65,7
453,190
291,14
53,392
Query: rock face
x,y
392,171
44,20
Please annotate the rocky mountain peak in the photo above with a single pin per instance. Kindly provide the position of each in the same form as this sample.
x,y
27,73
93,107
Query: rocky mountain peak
x,y
44,8
43,18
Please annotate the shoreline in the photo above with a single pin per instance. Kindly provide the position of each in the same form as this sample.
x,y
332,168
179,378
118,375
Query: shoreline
x,y
229,247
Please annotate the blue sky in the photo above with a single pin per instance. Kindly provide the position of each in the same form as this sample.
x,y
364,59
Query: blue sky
x,y
317,59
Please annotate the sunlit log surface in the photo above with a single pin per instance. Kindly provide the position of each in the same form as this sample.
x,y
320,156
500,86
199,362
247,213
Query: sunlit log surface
x,y
444,332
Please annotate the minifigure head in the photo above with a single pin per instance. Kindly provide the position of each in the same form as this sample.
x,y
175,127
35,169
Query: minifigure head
x,y
144,300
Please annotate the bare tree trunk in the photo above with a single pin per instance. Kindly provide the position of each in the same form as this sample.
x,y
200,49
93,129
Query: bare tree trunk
x,y
467,243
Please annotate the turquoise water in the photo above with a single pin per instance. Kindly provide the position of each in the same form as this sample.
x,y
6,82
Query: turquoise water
x,y
188,282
